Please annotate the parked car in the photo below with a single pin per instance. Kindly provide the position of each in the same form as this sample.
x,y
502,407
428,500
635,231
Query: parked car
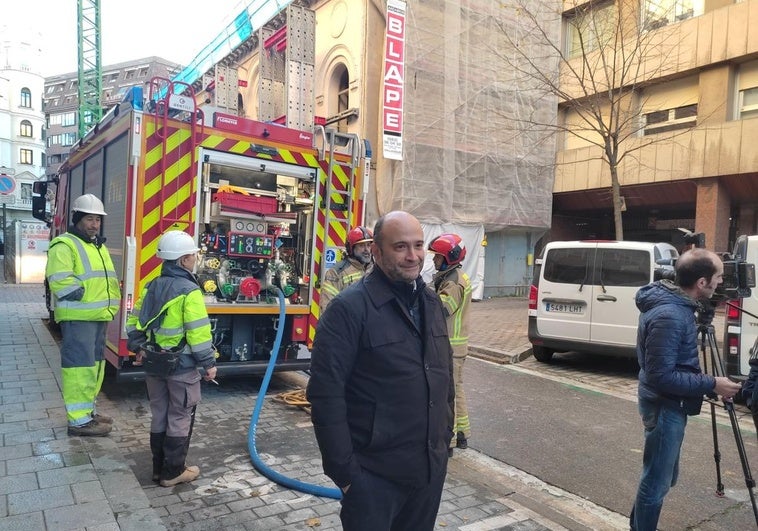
x,y
582,295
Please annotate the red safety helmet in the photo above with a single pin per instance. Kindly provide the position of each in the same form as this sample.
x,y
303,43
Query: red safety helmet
x,y
450,246
357,235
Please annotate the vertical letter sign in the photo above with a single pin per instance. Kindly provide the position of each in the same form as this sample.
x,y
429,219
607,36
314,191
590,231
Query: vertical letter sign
x,y
394,74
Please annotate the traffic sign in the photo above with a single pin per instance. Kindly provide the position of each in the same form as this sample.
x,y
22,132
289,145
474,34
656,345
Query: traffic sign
x,y
6,199
7,184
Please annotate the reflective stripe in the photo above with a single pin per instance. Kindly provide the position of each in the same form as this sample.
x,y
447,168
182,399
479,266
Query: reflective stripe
x,y
161,331
205,345
67,290
79,305
60,276
83,256
197,323
81,405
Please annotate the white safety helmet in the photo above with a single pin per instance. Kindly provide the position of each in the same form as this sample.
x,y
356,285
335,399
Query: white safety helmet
x,y
174,244
88,204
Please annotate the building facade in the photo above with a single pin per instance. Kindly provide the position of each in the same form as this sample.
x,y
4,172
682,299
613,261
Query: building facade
x,y
464,166
22,148
690,159
61,102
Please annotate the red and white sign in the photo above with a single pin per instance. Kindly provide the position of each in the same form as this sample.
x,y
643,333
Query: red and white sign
x,y
394,76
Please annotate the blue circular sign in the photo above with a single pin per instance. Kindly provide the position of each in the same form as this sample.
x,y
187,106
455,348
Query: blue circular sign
x,y
7,184
331,256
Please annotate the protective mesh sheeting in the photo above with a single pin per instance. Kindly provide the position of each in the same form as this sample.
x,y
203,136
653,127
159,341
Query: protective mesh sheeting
x,y
472,154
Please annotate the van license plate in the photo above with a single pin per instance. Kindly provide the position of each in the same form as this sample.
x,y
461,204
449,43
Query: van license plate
x,y
564,308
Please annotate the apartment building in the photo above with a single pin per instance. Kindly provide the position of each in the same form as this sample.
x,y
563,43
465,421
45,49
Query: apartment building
x,y
691,159
61,101
22,149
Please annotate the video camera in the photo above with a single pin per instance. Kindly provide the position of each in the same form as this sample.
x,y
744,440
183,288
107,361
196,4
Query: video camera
x,y
739,275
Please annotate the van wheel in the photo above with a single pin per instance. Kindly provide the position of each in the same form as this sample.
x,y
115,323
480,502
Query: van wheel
x,y
542,354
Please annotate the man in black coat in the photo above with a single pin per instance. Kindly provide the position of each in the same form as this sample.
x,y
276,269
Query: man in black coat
x,y
381,388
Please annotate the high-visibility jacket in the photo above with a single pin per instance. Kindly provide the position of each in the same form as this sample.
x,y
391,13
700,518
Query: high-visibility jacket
x,y
347,272
170,310
454,289
82,279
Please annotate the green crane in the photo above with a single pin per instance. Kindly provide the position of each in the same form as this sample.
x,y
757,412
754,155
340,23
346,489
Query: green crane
x,y
90,67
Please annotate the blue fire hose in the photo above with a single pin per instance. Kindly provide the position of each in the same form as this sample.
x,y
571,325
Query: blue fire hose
x,y
259,465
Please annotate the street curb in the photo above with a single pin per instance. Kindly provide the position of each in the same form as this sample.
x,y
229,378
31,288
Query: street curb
x,y
503,357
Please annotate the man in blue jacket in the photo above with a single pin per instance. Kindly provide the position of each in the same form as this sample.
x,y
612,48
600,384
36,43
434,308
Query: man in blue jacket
x,y
671,384
381,388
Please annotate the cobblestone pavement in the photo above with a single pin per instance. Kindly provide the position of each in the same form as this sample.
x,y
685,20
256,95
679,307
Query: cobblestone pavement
x,y
51,481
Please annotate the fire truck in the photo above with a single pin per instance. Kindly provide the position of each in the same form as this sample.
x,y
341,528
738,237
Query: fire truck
x,y
269,207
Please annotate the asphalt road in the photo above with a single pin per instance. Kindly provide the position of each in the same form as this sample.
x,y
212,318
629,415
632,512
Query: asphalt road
x,y
588,440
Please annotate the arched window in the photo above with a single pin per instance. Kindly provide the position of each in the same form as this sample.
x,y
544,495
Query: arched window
x,y
339,95
26,98
26,129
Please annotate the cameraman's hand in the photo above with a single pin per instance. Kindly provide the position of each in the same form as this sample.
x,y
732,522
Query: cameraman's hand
x,y
726,388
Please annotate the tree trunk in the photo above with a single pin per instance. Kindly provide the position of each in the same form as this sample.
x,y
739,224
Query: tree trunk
x,y
616,197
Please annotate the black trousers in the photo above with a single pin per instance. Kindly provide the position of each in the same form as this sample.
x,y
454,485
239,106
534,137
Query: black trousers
x,y
373,503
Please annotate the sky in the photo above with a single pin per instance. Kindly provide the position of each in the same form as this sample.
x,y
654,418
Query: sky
x,y
170,29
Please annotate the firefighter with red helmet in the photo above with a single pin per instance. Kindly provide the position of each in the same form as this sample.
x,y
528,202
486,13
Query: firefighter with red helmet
x,y
454,290
353,266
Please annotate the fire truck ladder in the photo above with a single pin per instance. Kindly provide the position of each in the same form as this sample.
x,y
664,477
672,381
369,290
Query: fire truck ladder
x,y
169,97
338,205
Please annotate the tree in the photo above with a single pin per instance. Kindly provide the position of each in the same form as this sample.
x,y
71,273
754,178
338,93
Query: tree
x,y
608,55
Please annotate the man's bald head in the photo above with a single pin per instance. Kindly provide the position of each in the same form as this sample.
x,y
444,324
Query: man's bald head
x,y
398,246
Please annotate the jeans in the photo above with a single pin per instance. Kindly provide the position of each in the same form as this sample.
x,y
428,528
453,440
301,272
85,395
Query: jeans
x,y
664,433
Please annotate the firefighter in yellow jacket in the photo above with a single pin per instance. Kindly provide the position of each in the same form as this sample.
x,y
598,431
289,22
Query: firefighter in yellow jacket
x,y
86,296
170,330
351,269
454,289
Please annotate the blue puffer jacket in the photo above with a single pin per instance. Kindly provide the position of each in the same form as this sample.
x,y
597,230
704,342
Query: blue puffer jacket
x,y
667,348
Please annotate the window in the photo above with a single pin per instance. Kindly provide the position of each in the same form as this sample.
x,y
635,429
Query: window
x,y
659,13
26,156
749,103
68,119
567,266
54,119
623,267
26,98
670,119
590,28
26,129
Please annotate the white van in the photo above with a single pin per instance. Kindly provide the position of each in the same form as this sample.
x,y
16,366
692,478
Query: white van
x,y
741,328
582,295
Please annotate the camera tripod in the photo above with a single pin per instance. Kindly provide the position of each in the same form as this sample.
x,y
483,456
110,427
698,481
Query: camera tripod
x,y
710,349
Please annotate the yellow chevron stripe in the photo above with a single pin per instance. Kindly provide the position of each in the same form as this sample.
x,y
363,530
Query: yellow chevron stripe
x,y
287,156
212,141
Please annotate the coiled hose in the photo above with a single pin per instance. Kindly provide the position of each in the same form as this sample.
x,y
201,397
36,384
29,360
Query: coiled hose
x,y
259,465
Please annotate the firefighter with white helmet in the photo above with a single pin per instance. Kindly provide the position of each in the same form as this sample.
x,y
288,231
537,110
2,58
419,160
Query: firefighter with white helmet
x,y
454,289
86,296
353,266
170,330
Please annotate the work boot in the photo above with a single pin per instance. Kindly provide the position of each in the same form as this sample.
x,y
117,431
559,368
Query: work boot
x,y
190,474
461,441
102,419
91,429
156,447
174,471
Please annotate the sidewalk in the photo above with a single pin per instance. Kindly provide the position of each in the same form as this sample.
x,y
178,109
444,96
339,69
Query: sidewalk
x,y
50,481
